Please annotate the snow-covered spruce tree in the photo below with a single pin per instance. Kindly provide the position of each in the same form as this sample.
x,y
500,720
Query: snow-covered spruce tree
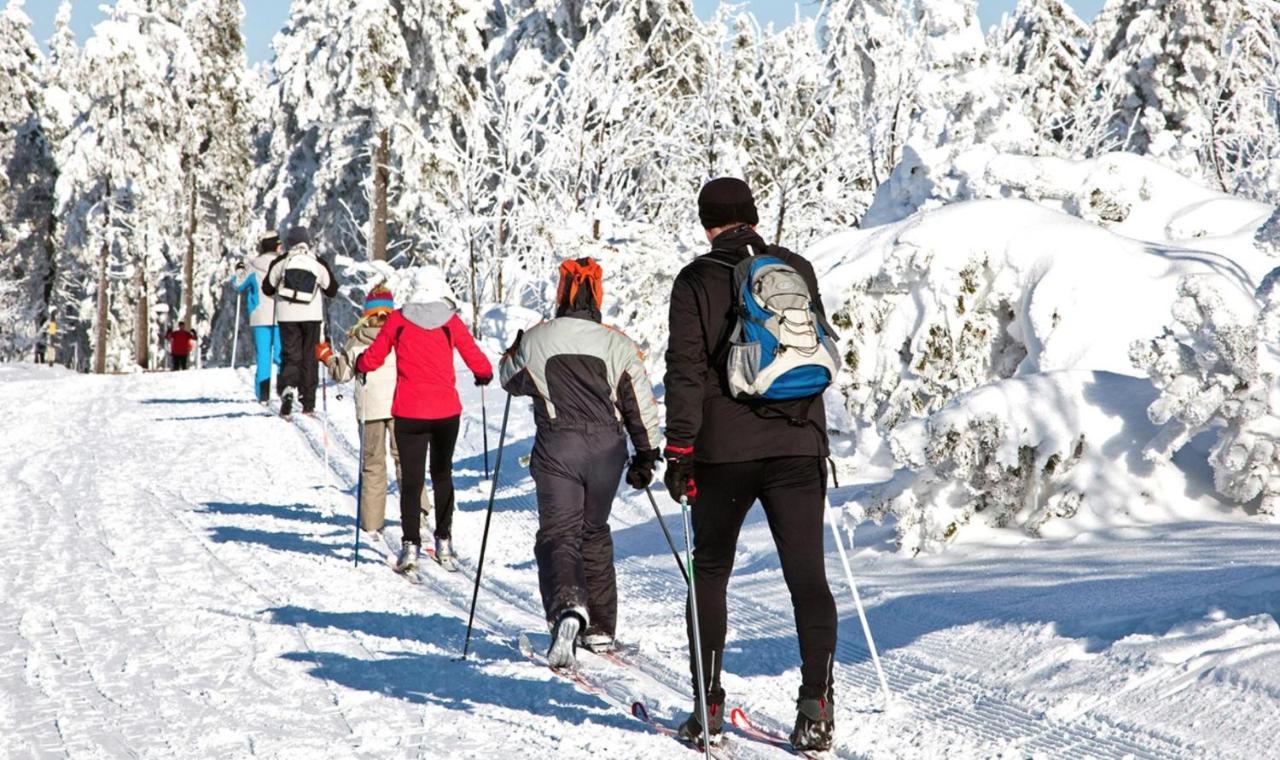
x,y
1244,149
1217,369
871,58
965,110
121,191
26,186
1176,71
1042,46
784,128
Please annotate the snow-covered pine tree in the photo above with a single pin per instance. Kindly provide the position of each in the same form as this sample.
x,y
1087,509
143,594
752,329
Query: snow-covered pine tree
x,y
1182,73
1042,46
780,106
120,190
963,101
26,186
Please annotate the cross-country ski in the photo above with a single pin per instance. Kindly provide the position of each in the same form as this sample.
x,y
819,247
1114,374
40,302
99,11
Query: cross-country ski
x,y
582,379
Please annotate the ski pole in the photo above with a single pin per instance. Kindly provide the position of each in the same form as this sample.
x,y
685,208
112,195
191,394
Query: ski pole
x,y
697,630
670,541
324,401
857,601
484,430
235,333
484,542
360,474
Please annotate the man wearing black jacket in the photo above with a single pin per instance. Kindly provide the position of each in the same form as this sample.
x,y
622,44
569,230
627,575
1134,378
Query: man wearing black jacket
x,y
723,455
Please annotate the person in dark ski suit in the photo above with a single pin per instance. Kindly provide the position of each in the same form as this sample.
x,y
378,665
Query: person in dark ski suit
x,y
590,391
296,281
724,455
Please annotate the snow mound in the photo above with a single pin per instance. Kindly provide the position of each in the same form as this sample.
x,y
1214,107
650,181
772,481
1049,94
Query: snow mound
x,y
976,292
1020,452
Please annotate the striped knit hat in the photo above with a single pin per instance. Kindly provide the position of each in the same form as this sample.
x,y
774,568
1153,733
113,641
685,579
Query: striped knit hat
x,y
379,301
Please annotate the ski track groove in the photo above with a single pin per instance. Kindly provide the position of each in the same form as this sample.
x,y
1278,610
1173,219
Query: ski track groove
x,y
992,715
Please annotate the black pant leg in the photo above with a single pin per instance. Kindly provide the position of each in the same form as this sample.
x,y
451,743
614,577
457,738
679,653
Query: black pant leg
x,y
443,438
310,379
606,457
291,339
726,493
411,441
557,546
794,499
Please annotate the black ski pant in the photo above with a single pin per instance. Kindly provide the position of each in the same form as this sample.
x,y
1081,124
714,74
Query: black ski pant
x,y
179,362
298,365
416,439
576,470
793,493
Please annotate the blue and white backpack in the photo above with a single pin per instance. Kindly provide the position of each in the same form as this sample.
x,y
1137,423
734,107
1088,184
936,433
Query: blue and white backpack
x,y
782,347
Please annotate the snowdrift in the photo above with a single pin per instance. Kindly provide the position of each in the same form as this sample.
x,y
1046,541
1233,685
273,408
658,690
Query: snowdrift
x,y
984,293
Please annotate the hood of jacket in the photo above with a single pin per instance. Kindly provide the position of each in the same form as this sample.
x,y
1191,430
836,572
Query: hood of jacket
x,y
734,240
428,316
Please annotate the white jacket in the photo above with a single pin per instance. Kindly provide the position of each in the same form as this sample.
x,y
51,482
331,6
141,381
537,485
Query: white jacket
x,y
301,257
374,396
263,314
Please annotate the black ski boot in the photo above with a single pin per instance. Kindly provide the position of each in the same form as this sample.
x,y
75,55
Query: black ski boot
x,y
286,401
691,729
815,725
264,391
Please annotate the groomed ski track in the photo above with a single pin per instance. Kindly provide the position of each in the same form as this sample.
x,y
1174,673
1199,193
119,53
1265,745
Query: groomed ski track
x,y
179,583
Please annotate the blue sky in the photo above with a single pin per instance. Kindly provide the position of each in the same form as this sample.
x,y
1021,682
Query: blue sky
x,y
264,17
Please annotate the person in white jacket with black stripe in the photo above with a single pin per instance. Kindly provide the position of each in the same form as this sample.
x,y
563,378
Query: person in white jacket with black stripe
x,y
297,280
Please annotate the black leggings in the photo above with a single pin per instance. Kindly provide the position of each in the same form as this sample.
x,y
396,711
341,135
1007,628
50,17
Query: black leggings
x,y
793,492
414,438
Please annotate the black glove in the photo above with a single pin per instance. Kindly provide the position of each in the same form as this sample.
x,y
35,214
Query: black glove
x,y
640,473
483,380
679,476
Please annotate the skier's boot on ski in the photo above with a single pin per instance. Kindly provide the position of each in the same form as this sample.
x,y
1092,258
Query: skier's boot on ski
x,y
596,639
264,391
691,729
815,725
564,635
286,401
409,555
445,556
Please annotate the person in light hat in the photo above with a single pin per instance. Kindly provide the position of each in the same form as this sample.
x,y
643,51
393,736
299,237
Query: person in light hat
x,y
374,393
426,406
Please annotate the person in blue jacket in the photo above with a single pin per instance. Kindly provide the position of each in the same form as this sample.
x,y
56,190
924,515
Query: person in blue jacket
x,y
262,317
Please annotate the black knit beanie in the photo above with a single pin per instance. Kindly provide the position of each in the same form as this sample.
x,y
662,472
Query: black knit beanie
x,y
297,236
269,243
726,200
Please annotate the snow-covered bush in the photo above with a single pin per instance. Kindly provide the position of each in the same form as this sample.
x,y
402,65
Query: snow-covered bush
x,y
1216,368
1016,454
977,292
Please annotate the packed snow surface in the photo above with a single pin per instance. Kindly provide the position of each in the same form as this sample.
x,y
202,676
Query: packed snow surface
x,y
178,582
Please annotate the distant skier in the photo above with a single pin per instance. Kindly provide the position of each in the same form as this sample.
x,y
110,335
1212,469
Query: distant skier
x,y
262,311
590,389
297,280
374,393
426,407
724,454
181,342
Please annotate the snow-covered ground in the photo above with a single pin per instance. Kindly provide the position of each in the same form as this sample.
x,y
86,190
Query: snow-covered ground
x,y
178,582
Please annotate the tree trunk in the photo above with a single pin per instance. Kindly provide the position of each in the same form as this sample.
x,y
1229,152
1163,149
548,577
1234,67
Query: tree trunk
x,y
381,176
475,286
100,329
189,260
142,324
782,219
500,249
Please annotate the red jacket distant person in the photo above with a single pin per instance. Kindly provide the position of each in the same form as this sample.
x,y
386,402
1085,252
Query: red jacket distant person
x,y
181,342
426,406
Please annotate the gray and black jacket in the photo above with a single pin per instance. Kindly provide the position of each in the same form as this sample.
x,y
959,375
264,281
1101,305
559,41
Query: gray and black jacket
x,y
582,374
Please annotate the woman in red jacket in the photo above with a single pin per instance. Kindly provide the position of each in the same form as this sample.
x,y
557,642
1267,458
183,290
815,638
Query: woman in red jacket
x,y
426,406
